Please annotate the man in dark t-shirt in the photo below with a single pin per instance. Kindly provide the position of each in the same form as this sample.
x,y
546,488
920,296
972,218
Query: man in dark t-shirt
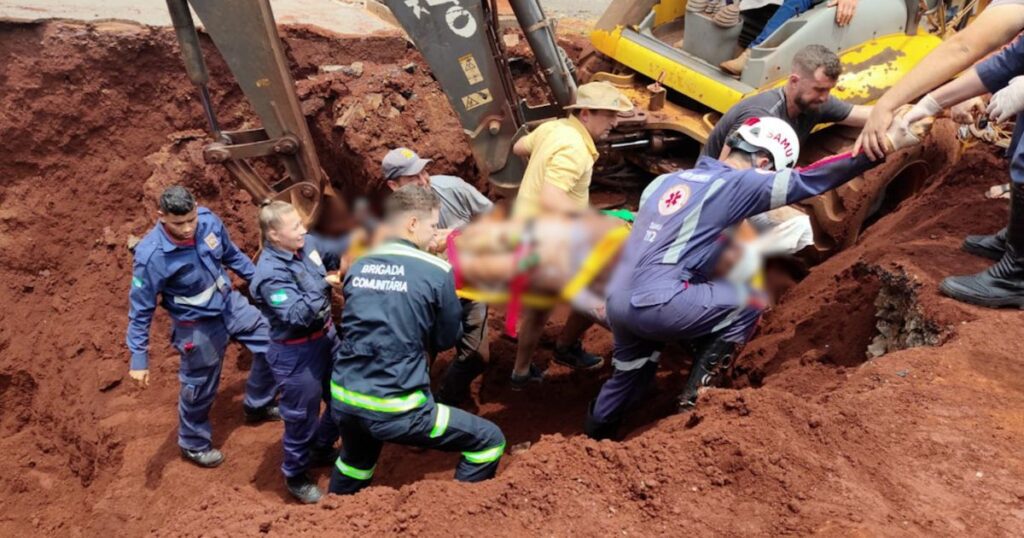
x,y
803,102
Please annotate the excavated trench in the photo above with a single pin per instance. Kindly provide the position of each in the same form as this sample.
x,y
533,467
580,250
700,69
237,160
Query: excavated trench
x,y
98,118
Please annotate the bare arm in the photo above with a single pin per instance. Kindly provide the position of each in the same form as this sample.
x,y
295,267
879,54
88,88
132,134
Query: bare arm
x,y
994,27
959,89
858,116
554,200
521,148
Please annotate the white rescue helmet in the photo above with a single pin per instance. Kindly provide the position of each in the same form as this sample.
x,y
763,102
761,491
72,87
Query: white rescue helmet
x,y
774,136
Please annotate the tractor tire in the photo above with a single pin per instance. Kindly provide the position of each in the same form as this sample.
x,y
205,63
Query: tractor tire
x,y
841,215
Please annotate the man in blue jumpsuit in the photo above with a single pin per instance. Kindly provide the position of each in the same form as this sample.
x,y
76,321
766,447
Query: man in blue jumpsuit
x,y
400,305
663,289
290,290
182,259
1001,284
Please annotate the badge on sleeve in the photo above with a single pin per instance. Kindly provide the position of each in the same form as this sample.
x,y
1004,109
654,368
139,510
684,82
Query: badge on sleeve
x,y
278,297
315,256
211,240
673,200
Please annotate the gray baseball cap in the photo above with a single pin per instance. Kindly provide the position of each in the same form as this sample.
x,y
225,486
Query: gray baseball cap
x,y
402,162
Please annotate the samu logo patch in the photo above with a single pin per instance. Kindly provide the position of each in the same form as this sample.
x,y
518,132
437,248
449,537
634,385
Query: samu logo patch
x,y
673,200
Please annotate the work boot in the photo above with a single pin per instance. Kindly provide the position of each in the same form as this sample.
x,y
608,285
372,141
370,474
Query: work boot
x,y
209,458
1003,283
256,415
455,385
322,456
577,358
303,488
535,375
710,360
596,429
736,65
987,246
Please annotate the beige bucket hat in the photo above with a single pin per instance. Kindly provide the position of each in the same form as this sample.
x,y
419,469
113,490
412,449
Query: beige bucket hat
x,y
601,96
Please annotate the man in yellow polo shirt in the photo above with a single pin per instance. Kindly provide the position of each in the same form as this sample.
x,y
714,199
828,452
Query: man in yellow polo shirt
x,y
561,157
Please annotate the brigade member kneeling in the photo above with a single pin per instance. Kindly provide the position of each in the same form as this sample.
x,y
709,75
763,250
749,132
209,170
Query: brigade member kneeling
x,y
400,304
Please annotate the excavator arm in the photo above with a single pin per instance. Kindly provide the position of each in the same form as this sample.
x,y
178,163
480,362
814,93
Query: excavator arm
x,y
460,42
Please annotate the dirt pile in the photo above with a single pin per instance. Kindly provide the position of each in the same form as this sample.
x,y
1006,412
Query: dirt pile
x,y
813,438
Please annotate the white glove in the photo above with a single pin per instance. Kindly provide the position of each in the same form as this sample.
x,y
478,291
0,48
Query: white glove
x,y
927,106
1007,102
788,237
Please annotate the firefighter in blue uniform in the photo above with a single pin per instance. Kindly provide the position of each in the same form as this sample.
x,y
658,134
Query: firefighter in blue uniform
x,y
663,289
400,305
182,259
290,289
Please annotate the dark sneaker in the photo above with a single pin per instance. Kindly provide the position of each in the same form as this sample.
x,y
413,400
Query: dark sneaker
x,y
535,375
303,488
267,413
576,357
322,456
208,458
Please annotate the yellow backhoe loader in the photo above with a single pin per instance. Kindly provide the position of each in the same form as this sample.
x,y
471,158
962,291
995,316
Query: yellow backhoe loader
x,y
663,53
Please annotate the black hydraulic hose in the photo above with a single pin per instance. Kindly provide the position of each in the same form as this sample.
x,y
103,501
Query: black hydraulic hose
x,y
192,56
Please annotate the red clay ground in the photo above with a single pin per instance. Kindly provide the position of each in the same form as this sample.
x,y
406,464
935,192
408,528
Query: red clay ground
x,y
813,439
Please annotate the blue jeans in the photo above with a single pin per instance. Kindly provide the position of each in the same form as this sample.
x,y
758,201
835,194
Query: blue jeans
x,y
788,10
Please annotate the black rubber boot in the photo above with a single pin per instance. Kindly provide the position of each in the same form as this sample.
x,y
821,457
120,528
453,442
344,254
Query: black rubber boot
x,y
208,458
256,415
987,246
1002,284
596,429
322,456
455,385
303,488
710,360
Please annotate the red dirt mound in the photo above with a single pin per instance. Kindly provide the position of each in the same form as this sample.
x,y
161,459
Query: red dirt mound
x,y
814,439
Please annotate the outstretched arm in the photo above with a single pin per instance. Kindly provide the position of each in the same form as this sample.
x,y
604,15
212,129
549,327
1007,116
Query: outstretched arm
x,y
757,191
994,27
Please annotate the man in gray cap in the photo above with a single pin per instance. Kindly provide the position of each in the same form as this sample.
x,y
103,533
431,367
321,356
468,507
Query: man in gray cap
x,y
460,203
